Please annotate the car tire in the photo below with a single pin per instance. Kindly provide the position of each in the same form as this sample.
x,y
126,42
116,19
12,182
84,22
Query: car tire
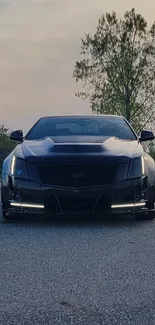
x,y
6,219
150,215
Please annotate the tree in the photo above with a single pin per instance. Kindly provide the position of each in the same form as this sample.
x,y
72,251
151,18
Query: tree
x,y
117,68
4,131
5,143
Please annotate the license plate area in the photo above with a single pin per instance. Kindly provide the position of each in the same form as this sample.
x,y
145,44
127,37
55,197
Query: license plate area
x,y
77,201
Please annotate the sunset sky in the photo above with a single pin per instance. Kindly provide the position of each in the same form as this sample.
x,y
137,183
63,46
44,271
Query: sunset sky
x,y
39,44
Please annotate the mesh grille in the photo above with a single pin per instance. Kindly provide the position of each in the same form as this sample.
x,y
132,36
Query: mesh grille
x,y
77,176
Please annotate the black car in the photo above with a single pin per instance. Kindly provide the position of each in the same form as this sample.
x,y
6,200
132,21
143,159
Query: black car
x,y
79,164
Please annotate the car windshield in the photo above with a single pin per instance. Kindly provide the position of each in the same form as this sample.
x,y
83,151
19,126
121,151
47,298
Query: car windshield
x,y
106,126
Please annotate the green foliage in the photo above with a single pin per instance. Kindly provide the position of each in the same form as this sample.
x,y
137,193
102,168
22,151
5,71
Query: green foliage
x,y
151,149
152,154
117,68
6,145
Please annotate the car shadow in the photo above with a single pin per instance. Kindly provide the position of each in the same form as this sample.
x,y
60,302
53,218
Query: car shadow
x,y
78,221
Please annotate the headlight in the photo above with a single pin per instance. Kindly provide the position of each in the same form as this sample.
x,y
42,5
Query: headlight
x,y
134,169
18,167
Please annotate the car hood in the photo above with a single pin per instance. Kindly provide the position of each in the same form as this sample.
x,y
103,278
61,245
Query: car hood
x,y
50,149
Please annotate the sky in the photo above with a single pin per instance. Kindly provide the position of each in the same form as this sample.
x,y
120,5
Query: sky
x,y
39,45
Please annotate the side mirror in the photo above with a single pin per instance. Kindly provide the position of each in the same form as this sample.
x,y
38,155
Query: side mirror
x,y
17,135
146,136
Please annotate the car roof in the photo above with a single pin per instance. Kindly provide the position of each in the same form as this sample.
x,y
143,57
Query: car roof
x,y
83,115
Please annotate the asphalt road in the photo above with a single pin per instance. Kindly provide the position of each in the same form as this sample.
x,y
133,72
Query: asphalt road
x,y
77,273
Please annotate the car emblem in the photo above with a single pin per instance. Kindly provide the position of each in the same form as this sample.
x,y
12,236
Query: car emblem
x,y
77,176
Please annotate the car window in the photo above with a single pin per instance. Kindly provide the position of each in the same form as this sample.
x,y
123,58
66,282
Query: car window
x,y
78,126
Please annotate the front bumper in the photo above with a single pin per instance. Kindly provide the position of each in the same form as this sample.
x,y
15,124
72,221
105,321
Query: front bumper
x,y
26,197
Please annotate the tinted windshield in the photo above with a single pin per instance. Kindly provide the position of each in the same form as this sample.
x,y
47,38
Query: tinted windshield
x,y
81,126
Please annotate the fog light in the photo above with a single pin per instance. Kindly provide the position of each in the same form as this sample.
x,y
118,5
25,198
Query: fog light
x,y
27,205
128,205
16,196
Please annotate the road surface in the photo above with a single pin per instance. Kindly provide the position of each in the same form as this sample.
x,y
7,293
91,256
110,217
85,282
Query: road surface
x,y
77,273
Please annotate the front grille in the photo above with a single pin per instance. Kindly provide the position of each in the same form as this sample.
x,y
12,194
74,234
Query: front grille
x,y
77,176
77,201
